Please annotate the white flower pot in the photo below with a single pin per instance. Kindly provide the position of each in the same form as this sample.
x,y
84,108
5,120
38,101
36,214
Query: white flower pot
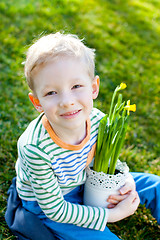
x,y
99,186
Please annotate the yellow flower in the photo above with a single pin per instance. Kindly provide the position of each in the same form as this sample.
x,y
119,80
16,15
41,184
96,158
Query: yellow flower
x,y
123,86
129,107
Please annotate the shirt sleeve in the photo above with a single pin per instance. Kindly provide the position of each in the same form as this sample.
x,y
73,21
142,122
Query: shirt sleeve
x,y
49,196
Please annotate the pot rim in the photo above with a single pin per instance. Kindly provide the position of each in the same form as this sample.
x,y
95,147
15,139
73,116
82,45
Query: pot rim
x,y
107,181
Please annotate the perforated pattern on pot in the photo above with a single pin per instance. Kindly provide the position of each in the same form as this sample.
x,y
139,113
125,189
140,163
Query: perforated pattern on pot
x,y
106,181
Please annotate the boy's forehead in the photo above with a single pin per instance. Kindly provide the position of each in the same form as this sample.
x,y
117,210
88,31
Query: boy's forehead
x,y
67,64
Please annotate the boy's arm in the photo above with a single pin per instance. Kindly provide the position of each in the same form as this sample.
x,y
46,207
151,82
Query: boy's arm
x,y
123,192
49,197
124,208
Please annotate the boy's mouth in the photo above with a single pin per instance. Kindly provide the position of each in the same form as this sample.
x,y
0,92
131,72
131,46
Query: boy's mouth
x,y
70,114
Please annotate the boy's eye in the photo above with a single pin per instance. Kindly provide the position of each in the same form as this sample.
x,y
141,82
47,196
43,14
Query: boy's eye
x,y
76,86
51,93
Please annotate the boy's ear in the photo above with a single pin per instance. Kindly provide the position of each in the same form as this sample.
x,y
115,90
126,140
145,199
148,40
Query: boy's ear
x,y
35,102
95,87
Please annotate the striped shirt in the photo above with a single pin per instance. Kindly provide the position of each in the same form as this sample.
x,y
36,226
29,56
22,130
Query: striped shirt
x,y
48,168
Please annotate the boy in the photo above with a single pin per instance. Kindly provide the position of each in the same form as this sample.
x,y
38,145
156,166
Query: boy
x,y
57,146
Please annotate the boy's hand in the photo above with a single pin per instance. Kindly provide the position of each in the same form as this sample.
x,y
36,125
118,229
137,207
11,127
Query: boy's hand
x,y
123,192
124,208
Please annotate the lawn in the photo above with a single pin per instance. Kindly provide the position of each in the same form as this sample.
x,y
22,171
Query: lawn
x,y
126,37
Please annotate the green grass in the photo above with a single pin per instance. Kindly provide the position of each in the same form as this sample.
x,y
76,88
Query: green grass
x,y
125,35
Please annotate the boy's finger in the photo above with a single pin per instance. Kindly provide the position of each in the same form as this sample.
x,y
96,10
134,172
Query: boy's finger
x,y
116,198
129,186
137,199
111,205
126,188
133,197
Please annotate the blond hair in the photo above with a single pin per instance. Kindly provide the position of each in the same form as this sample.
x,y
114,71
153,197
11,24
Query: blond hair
x,y
52,46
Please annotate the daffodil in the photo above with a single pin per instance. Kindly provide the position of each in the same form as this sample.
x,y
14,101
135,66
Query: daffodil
x,y
118,88
129,107
111,133
123,86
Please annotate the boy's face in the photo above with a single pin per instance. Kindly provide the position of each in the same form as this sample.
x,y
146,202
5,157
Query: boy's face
x,y
65,93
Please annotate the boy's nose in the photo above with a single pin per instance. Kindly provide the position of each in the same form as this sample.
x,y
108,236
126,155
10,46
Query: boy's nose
x,y
66,104
66,101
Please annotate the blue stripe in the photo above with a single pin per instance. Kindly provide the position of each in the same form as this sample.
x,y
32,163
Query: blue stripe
x,y
59,169
68,156
75,154
73,169
72,162
64,180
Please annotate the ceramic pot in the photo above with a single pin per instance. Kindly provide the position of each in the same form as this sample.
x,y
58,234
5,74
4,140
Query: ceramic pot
x,y
99,186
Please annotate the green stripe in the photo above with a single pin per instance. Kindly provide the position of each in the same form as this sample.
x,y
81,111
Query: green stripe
x,y
40,175
48,145
64,152
20,153
45,139
57,219
93,117
24,183
82,215
53,150
45,182
103,218
92,218
97,219
35,153
42,199
94,131
35,128
43,185
66,187
30,163
32,158
95,124
66,213
46,204
62,220
77,214
55,213
71,213
22,190
41,188
42,193
40,130
24,196
60,153
46,198
87,217
24,173
36,164
37,169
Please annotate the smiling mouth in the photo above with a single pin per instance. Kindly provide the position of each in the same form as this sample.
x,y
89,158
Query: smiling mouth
x,y
71,114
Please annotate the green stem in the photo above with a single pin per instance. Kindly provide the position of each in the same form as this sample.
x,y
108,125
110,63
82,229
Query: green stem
x,y
112,102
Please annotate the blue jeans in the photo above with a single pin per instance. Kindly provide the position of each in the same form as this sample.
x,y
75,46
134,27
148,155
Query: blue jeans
x,y
148,187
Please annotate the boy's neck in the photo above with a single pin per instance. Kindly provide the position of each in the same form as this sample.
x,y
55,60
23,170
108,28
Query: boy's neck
x,y
72,137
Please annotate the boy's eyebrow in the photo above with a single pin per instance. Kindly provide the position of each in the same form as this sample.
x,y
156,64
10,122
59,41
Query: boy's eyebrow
x,y
46,88
78,79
